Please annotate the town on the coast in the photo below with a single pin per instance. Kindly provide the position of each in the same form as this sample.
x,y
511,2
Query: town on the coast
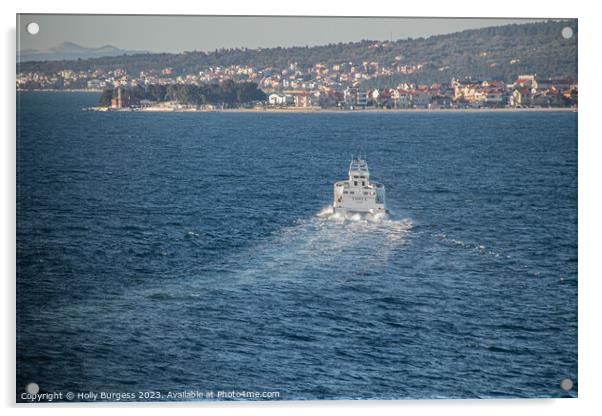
x,y
322,87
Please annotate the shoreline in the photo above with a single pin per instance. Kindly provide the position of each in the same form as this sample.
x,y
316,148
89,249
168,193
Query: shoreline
x,y
404,110
336,111
313,110
66,90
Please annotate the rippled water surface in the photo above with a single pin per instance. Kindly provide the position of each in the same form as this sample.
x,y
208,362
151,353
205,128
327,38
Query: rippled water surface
x,y
170,252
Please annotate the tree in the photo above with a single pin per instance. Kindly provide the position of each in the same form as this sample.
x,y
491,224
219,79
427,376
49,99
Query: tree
x,y
105,98
227,93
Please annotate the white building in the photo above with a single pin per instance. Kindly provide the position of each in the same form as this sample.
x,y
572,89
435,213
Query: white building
x,y
280,99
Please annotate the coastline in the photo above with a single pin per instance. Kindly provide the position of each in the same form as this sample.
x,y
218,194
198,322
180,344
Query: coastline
x,y
310,110
404,110
66,90
336,111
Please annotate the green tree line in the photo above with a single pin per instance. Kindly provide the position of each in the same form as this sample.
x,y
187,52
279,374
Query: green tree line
x,y
499,52
227,93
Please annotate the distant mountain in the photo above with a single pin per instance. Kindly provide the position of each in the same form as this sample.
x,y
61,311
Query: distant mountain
x,y
67,51
499,52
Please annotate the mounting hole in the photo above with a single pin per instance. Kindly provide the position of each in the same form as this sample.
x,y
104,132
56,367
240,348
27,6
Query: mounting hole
x,y
33,28
566,384
567,32
32,388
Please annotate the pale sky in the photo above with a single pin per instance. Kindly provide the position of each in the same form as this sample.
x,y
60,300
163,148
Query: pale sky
x,y
206,33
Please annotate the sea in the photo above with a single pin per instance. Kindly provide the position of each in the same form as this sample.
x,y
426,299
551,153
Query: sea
x,y
193,256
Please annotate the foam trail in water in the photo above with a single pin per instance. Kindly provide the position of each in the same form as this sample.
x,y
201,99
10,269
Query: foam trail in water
x,y
328,242
443,239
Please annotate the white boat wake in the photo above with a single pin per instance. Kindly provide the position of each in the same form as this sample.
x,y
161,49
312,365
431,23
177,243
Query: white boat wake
x,y
339,244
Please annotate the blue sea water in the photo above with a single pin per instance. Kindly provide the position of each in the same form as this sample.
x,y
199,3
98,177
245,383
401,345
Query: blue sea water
x,y
191,251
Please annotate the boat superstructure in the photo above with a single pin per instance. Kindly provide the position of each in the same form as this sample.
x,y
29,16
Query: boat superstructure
x,y
358,194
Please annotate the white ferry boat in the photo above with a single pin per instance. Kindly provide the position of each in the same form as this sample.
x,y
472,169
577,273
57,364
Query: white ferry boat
x,y
358,194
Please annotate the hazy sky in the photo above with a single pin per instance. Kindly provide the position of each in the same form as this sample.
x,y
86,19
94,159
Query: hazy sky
x,y
205,33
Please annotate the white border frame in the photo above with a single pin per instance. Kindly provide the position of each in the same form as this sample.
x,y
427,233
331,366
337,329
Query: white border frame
x,y
589,201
